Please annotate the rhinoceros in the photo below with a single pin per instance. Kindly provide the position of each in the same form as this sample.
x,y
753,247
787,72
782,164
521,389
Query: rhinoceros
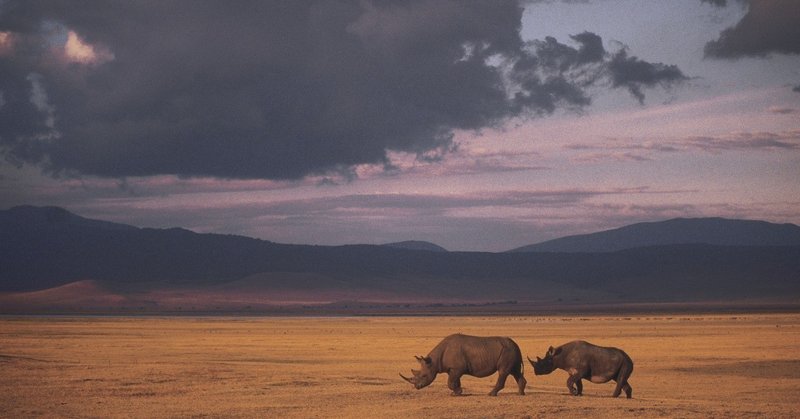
x,y
581,359
460,354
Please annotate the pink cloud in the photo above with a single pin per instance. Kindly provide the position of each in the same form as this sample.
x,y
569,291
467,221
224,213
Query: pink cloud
x,y
782,110
77,50
6,43
629,149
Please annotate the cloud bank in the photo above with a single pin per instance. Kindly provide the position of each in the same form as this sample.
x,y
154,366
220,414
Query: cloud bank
x,y
768,27
279,90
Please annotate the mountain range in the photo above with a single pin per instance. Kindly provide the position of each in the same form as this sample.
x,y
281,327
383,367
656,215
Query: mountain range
x,y
52,260
713,231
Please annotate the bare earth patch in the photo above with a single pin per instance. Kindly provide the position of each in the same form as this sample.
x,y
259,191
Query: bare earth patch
x,y
685,366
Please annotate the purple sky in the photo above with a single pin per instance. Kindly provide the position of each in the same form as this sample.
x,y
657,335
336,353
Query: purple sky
x,y
474,126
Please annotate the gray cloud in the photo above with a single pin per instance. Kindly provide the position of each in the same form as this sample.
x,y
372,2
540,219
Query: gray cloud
x,y
788,140
279,90
634,74
719,3
737,141
767,27
783,110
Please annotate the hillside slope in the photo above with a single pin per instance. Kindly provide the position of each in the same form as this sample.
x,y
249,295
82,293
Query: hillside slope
x,y
714,231
176,266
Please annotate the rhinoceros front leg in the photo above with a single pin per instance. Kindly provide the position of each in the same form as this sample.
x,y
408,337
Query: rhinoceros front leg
x,y
574,385
454,382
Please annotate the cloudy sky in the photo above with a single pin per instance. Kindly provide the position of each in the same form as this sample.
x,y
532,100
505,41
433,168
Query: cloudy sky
x,y
476,125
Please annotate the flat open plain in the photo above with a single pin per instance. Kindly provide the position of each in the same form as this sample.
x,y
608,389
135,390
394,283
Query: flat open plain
x,y
723,365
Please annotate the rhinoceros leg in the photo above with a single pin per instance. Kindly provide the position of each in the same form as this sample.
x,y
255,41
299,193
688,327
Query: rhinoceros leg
x,y
623,387
501,382
622,381
574,381
521,382
454,382
617,390
628,390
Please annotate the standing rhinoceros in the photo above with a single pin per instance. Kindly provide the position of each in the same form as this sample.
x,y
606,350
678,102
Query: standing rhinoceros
x,y
583,360
460,354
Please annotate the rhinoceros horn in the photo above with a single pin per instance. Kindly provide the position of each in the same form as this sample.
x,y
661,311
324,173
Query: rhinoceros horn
x,y
408,379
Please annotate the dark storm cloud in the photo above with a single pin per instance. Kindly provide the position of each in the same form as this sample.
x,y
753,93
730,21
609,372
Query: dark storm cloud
x,y
634,74
767,27
720,3
553,55
589,64
278,90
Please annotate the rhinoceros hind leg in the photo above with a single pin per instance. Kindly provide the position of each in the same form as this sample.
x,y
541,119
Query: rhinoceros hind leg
x,y
624,387
501,382
622,381
628,390
521,382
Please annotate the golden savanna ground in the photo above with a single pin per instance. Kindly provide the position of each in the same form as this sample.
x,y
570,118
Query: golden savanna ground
x,y
685,366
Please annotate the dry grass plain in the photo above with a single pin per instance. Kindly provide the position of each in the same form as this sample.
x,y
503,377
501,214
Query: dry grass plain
x,y
738,365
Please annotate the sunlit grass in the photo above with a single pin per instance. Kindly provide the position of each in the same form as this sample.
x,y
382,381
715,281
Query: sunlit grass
x,y
685,365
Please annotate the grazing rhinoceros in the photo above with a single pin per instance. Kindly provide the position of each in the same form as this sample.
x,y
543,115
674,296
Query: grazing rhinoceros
x,y
581,359
460,354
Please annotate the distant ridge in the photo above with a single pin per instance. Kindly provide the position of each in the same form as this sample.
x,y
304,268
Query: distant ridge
x,y
712,231
31,217
417,245
51,259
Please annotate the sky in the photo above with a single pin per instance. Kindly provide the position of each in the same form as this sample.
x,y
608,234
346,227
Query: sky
x,y
475,125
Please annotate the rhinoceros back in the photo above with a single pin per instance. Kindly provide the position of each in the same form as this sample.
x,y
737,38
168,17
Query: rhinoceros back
x,y
478,356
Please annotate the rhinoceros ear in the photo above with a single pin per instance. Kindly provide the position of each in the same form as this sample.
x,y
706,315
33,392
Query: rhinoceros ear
x,y
550,351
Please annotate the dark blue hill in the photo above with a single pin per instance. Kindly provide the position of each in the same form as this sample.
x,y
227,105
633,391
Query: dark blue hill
x,y
42,248
713,231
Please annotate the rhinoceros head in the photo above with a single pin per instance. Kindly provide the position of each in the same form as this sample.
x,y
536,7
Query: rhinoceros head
x,y
424,376
544,365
